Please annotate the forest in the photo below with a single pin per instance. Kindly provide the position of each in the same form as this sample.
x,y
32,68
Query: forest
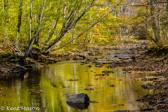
x,y
52,25
37,33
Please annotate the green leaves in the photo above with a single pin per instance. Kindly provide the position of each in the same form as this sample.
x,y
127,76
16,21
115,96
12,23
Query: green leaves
x,y
66,14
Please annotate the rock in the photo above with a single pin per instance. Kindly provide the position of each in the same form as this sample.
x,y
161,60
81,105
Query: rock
x,y
78,98
89,65
18,68
124,57
14,60
147,86
106,72
133,58
31,66
166,87
82,56
165,61
111,65
79,57
98,65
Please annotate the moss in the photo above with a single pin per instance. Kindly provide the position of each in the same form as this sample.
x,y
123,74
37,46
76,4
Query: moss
x,y
36,47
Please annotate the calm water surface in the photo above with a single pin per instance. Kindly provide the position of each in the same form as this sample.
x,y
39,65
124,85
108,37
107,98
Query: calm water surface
x,y
53,81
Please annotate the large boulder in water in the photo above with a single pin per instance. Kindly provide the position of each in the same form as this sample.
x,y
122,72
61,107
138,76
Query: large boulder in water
x,y
78,101
78,98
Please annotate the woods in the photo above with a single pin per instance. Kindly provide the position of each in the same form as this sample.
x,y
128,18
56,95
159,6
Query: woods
x,y
152,21
51,25
114,51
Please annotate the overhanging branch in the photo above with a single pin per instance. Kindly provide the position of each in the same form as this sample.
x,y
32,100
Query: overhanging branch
x,y
91,25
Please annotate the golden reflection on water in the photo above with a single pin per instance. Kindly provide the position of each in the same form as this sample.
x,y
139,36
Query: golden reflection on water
x,y
53,81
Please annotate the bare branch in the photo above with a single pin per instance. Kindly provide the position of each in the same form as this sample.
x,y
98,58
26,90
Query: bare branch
x,y
36,34
91,25
68,26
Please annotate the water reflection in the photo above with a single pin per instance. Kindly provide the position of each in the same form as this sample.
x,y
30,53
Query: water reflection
x,y
56,87
79,105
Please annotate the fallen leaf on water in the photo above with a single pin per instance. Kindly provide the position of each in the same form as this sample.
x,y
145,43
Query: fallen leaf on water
x,y
112,85
89,89
73,80
37,92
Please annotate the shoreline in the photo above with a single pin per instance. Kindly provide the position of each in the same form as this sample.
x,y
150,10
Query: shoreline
x,y
141,61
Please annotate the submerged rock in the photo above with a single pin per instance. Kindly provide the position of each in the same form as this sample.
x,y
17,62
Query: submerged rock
x,y
78,98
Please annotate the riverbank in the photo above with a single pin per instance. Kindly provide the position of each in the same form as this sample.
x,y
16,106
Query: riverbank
x,y
134,58
11,66
142,59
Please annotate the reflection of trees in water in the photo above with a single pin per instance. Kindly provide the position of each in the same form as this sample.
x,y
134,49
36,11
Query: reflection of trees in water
x,y
18,91
53,81
122,93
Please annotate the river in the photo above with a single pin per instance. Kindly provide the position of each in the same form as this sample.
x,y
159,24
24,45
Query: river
x,y
116,91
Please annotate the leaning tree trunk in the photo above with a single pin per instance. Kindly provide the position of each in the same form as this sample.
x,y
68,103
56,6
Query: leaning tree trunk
x,y
51,32
69,24
36,34
101,18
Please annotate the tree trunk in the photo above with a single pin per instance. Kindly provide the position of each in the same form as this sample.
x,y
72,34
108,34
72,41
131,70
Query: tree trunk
x,y
90,26
154,26
67,26
6,19
51,33
19,23
31,6
73,34
167,16
36,34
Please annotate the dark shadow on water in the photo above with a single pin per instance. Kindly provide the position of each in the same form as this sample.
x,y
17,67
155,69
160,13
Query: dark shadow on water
x,y
79,105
